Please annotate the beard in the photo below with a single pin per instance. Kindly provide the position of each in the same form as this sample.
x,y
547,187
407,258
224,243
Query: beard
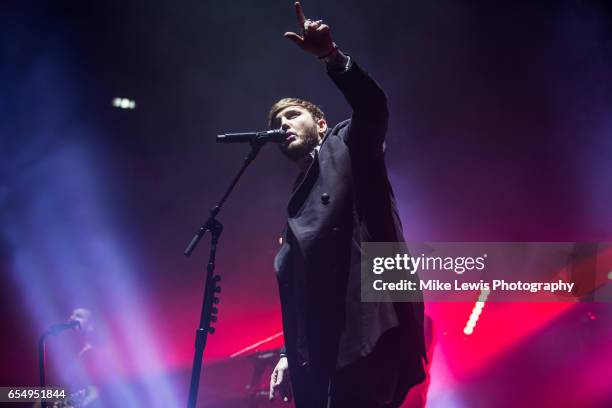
x,y
301,146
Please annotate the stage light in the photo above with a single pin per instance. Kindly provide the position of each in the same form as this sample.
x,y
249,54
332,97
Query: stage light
x,y
484,294
52,277
124,103
476,312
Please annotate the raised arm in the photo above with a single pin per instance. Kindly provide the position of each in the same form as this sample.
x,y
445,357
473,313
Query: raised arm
x,y
364,95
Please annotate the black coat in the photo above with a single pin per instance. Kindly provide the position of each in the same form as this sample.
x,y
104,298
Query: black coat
x,y
343,199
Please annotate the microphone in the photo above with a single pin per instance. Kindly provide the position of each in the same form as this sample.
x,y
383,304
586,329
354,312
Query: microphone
x,y
274,136
57,328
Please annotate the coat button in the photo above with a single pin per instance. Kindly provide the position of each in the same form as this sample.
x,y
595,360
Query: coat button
x,y
335,230
325,198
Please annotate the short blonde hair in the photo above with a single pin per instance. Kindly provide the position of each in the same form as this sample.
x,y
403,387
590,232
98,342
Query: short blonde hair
x,y
314,110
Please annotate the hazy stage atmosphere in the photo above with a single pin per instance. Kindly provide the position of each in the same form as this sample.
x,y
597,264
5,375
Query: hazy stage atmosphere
x,y
499,131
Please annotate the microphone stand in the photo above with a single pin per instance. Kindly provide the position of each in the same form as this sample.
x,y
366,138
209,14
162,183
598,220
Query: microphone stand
x,y
209,311
41,363
52,331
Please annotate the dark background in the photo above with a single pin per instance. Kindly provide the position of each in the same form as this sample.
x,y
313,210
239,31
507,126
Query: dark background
x,y
500,131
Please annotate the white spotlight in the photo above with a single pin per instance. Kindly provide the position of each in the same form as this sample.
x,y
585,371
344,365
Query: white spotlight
x,y
124,103
476,312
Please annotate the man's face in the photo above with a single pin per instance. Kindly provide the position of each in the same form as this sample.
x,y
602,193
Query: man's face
x,y
304,133
82,316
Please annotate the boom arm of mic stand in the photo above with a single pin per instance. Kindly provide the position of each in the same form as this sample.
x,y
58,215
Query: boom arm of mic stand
x,y
256,146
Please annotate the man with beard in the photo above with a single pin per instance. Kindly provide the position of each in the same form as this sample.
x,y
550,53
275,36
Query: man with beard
x,y
339,351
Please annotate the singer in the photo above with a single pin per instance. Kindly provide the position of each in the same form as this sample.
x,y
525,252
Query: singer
x,y
80,362
339,352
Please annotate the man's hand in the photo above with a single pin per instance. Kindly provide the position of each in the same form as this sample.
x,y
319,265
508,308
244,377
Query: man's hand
x,y
315,36
279,381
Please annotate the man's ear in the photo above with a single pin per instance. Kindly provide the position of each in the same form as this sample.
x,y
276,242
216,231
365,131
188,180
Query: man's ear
x,y
321,127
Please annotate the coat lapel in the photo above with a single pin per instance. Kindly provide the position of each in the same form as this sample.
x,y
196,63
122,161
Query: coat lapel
x,y
301,192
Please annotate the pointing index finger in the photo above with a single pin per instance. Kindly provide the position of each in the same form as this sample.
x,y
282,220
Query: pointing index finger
x,y
300,15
